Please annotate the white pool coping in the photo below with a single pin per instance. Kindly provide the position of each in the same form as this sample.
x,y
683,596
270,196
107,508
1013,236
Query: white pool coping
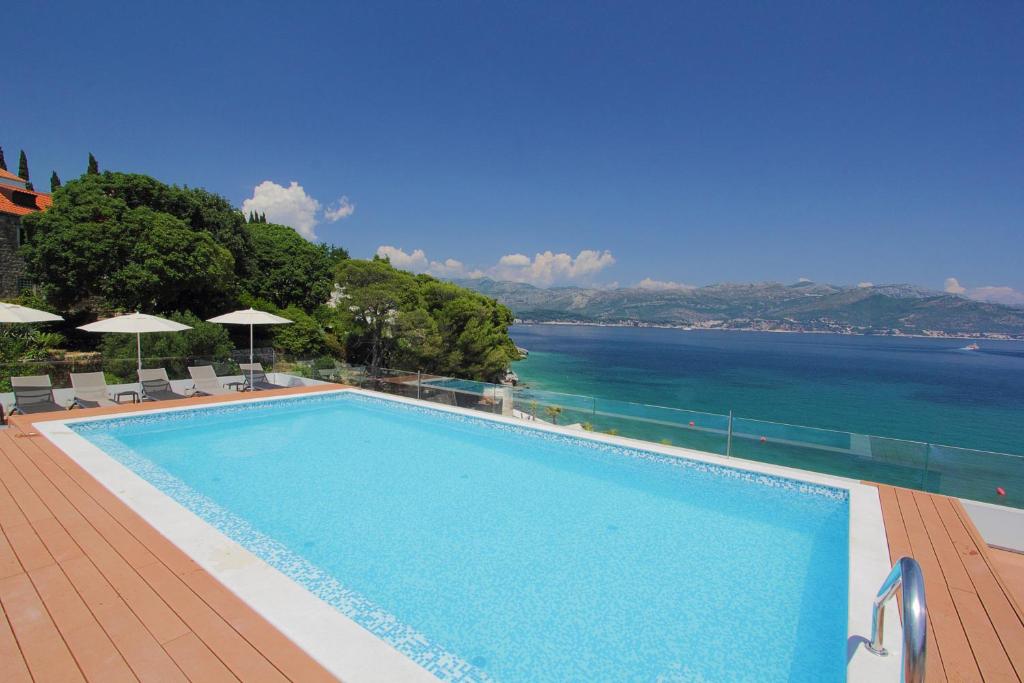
x,y
356,655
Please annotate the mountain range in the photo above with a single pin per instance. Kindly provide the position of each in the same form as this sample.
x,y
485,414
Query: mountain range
x,y
801,307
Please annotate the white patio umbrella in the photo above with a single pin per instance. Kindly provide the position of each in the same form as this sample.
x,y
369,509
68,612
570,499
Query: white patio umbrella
x,y
137,324
13,313
250,317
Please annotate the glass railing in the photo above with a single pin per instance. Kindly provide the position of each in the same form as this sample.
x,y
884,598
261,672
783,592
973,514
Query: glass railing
x,y
961,472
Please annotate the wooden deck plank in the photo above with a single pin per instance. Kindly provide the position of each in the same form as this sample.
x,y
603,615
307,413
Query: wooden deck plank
x,y
967,598
147,659
899,546
198,661
236,653
984,641
92,649
42,647
160,619
15,670
950,639
88,577
1000,609
255,629
9,564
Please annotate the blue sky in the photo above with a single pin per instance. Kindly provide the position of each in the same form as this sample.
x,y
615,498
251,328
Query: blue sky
x,y
842,142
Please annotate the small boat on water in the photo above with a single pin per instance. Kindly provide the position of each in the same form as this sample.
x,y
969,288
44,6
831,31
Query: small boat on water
x,y
970,347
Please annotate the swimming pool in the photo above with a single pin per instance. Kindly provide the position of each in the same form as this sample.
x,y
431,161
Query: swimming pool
x,y
485,550
466,385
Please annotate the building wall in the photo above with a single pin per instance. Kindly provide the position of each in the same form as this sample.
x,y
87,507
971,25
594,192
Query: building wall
x,y
11,266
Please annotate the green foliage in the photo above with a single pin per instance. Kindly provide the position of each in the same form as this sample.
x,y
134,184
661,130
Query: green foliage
x,y
553,412
94,167
205,340
286,268
27,342
23,170
123,241
54,181
415,322
117,242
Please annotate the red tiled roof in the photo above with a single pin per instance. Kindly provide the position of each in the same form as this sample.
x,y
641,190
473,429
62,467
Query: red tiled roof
x,y
7,175
42,200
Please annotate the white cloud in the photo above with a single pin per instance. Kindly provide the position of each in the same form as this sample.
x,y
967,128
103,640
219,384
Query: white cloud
x,y
662,285
415,261
514,260
998,295
988,293
544,269
804,279
953,286
291,206
548,268
865,284
343,208
447,268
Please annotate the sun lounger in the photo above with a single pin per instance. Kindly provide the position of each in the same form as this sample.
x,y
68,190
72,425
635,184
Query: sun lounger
x,y
156,386
207,383
33,394
259,377
91,391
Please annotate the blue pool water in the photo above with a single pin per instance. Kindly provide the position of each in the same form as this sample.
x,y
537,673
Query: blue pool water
x,y
467,385
491,552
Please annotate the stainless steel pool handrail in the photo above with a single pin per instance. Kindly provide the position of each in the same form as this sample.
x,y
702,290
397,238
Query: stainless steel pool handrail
x,y
905,575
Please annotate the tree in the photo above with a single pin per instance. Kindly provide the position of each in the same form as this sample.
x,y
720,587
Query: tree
x,y
23,170
3,162
288,269
553,412
102,245
396,318
94,167
54,182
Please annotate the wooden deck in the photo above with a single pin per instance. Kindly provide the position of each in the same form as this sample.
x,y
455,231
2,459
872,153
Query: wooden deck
x,y
90,591
975,624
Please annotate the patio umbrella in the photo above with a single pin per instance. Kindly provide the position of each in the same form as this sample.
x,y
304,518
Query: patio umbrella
x,y
13,313
137,324
250,317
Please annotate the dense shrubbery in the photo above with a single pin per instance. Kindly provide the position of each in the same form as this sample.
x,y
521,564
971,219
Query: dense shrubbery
x,y
116,242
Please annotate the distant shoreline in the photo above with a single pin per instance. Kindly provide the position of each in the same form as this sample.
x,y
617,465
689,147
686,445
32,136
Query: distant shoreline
x,y
978,336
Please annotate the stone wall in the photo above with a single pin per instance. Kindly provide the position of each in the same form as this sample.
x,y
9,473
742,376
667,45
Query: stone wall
x,y
11,266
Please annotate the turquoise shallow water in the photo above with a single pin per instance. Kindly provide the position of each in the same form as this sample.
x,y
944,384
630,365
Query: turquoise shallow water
x,y
491,552
920,389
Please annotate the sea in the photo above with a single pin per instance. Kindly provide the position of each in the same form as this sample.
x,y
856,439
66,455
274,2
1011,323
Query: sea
x,y
921,389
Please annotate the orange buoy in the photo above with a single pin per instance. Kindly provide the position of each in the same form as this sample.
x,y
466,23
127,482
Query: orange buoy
x,y
763,439
692,423
1000,491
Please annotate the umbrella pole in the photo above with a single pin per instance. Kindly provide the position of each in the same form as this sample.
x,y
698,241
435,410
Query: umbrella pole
x,y
138,347
251,387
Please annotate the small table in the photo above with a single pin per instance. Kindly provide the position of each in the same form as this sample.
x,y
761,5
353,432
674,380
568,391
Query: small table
x,y
128,392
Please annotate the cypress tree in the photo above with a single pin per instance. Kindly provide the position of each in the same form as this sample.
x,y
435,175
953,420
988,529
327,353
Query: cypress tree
x,y
23,170
263,217
94,167
3,162
54,181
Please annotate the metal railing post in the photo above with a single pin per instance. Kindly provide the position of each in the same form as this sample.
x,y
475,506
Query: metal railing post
x,y
418,384
728,437
906,576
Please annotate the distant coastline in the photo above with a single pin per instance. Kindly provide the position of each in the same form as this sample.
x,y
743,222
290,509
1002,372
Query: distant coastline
x,y
936,334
